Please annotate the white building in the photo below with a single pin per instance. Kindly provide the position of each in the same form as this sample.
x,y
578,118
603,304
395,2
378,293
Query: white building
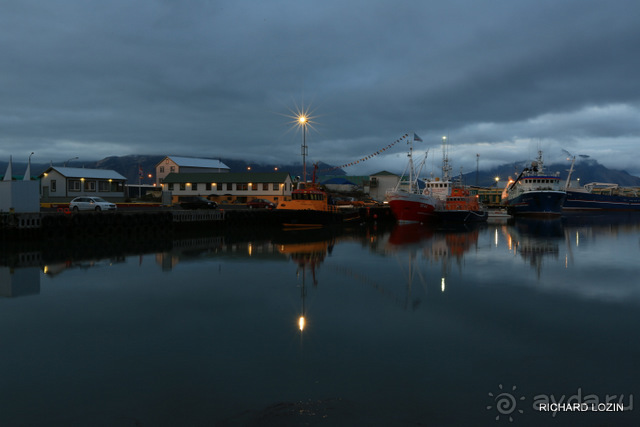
x,y
380,182
176,164
230,186
19,196
63,184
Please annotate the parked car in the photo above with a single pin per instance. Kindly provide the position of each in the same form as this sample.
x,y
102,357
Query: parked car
x,y
196,202
87,203
260,203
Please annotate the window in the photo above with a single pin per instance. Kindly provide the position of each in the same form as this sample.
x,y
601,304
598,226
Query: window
x,y
53,185
274,186
161,169
194,186
242,187
254,187
172,168
74,185
104,186
229,186
207,186
183,186
265,187
89,185
171,186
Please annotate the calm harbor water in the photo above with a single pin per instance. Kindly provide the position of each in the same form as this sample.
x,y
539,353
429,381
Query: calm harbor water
x,y
406,326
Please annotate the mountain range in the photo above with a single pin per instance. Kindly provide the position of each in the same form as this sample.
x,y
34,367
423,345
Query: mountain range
x,y
587,170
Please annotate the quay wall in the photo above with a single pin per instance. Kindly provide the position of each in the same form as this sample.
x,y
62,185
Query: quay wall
x,y
135,224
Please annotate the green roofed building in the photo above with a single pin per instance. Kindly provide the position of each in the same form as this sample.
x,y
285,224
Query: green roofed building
x,y
230,186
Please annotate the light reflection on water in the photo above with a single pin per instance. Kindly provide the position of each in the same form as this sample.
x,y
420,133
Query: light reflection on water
x,y
409,325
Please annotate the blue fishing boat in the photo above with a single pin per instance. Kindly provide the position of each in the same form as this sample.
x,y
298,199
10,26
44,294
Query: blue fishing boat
x,y
598,196
534,192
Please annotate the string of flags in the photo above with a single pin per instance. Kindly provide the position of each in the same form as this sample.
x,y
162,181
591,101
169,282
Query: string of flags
x,y
380,151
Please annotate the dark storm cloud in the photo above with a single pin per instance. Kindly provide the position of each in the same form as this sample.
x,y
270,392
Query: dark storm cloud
x,y
220,78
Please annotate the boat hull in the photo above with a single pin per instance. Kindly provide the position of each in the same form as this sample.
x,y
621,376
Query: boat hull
x,y
537,203
582,201
412,208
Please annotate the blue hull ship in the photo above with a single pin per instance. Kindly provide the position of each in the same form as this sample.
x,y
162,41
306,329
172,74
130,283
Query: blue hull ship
x,y
534,193
587,201
544,203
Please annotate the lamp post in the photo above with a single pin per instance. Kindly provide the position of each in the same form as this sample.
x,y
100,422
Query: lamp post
x,y
302,119
73,158
27,174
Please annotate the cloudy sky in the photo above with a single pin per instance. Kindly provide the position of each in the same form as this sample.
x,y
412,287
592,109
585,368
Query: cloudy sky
x,y
501,79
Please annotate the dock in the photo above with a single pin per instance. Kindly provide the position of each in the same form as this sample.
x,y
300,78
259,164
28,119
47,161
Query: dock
x,y
149,222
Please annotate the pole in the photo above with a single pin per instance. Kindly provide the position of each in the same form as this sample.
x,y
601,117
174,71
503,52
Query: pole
x,y
304,152
139,180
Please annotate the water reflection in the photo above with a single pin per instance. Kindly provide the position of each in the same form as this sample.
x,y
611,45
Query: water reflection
x,y
556,242
467,309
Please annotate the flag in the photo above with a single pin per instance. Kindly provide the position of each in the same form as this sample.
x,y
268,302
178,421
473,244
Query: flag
x,y
417,138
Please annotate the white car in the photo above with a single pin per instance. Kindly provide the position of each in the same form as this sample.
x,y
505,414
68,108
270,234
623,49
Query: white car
x,y
91,204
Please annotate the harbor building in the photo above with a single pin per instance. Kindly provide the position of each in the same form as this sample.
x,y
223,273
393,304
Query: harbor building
x,y
178,164
380,182
60,184
230,187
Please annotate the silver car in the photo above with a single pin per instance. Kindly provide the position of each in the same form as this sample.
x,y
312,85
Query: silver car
x,y
87,203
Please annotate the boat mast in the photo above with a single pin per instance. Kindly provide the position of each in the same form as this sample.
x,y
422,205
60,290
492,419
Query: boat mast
x,y
410,165
446,168
568,183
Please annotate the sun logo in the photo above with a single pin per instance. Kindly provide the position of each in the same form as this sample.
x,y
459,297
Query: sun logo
x,y
505,403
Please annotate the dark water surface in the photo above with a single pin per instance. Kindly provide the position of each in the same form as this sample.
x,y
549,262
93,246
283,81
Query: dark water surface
x,y
406,326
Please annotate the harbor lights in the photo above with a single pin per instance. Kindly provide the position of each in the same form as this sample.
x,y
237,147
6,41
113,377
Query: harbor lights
x,y
303,121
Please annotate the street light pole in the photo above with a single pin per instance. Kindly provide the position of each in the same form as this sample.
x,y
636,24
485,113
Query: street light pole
x,y
303,123
27,174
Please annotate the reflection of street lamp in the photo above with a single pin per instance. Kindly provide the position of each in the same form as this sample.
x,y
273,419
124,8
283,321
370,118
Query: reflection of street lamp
x,y
303,120
73,158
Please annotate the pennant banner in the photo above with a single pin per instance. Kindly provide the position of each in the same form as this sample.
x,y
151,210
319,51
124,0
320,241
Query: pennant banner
x,y
372,155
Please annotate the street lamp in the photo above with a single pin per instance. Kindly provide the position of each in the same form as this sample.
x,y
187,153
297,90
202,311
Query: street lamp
x,y
303,120
497,178
73,158
27,174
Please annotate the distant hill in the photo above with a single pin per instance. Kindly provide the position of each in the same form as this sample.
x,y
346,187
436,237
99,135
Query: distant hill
x,y
128,166
588,170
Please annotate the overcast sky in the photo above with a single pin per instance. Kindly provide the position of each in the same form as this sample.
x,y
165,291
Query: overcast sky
x,y
501,79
